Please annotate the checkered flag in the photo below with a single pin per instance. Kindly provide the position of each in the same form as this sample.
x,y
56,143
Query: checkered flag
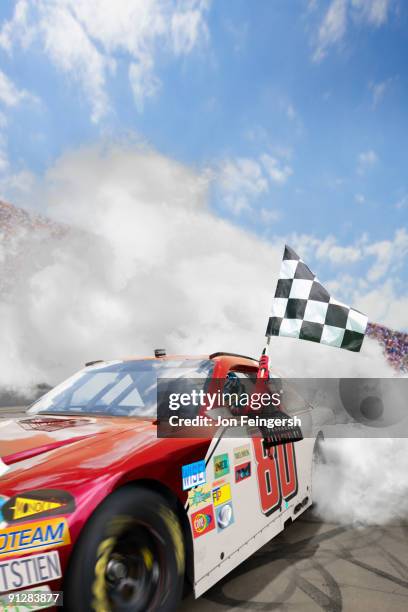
x,y
302,308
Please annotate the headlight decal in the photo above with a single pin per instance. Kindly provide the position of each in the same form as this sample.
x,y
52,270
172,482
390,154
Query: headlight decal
x,y
38,504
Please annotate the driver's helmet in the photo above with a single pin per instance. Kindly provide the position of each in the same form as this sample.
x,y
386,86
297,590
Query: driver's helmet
x,y
232,383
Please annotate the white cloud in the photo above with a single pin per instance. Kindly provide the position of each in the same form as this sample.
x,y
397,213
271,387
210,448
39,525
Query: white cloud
x,y
290,111
382,260
269,215
277,172
4,161
327,249
384,304
359,198
333,27
188,25
389,255
70,48
85,38
143,81
10,95
366,160
243,180
374,12
379,89
18,27
18,185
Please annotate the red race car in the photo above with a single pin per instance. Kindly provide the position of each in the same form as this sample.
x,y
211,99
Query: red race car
x,y
95,505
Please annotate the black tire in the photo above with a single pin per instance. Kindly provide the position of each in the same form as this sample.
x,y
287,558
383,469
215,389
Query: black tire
x,y
130,557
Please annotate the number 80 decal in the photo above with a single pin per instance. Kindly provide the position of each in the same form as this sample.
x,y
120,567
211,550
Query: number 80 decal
x,y
277,474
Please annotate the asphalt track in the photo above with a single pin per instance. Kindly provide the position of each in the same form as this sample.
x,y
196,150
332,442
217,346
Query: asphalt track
x,y
314,566
318,566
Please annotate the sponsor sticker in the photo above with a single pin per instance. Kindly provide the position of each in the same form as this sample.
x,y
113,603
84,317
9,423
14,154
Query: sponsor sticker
x,y
199,496
203,521
242,471
2,502
221,494
241,453
44,502
26,571
30,537
224,516
193,474
221,465
43,424
219,482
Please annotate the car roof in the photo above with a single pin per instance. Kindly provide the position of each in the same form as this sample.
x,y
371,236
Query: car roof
x,y
234,358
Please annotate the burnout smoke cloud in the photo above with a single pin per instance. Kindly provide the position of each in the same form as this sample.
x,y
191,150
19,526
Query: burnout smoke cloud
x,y
364,482
144,263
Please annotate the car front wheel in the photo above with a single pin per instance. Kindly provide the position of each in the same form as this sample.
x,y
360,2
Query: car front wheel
x,y
130,557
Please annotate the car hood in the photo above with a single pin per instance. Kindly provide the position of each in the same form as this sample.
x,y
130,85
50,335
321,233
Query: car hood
x,y
58,452
87,454
30,436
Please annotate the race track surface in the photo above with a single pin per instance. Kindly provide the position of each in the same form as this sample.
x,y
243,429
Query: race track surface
x,y
315,566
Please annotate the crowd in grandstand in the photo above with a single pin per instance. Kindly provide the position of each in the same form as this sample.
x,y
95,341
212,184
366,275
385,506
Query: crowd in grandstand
x,y
394,343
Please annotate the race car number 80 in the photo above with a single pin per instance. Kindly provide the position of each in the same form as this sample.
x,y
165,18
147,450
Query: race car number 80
x,y
277,474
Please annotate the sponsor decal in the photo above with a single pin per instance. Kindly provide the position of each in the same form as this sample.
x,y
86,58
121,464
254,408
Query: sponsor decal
x,y
221,494
241,453
44,502
2,502
203,521
44,424
199,496
242,471
224,516
221,465
193,474
25,571
30,537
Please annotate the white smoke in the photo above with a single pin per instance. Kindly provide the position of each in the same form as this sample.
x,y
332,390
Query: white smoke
x,y
147,265
364,482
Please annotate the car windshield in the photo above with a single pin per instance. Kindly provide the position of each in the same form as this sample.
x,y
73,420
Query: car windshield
x,y
124,388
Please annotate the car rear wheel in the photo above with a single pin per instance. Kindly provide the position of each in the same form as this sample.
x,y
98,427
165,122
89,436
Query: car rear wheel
x,y
130,557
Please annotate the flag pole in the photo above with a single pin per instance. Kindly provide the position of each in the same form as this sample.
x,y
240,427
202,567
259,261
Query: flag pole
x,y
263,371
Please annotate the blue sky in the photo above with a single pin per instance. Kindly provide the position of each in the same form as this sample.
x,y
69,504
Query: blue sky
x,y
295,110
